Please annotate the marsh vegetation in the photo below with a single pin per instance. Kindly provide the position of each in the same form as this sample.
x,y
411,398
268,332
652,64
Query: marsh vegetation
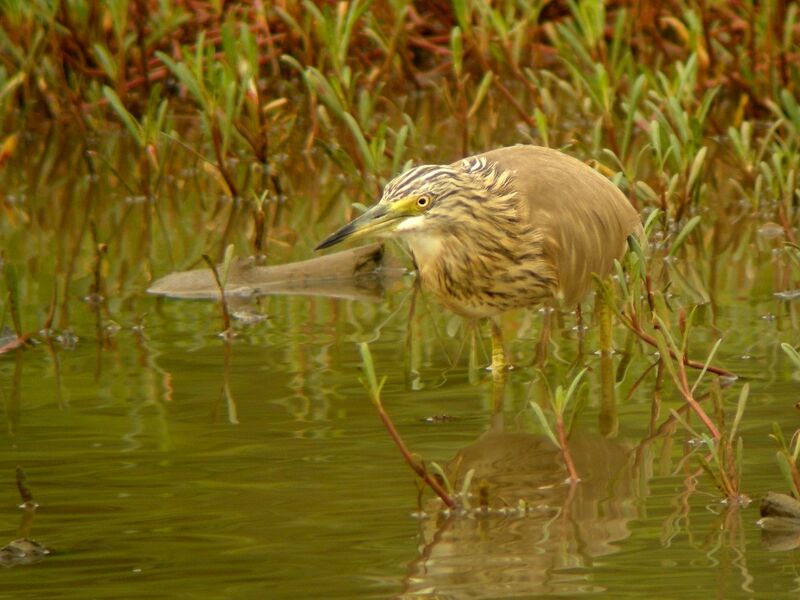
x,y
139,136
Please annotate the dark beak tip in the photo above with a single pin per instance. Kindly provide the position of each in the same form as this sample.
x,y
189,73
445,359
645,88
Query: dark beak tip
x,y
336,237
329,241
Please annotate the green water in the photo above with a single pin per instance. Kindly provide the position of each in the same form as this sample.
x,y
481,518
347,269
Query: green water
x,y
169,464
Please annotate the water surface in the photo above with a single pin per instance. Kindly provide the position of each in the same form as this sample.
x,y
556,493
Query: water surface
x,y
168,463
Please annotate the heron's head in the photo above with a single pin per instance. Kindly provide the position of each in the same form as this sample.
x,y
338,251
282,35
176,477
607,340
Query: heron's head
x,y
423,200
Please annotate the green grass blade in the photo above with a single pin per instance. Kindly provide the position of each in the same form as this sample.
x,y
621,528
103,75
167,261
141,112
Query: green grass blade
x,y
548,430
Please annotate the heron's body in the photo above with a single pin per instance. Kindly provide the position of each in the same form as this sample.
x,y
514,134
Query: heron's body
x,y
512,227
561,221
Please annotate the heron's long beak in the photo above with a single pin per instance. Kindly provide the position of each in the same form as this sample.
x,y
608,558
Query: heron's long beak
x,y
378,219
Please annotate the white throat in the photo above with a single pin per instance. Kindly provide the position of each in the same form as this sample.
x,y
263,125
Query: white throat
x,y
426,248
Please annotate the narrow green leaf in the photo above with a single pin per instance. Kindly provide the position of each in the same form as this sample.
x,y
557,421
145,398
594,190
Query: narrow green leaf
x,y
437,468
681,237
369,371
462,10
651,221
537,410
777,435
186,77
361,141
12,84
226,265
706,364
792,353
663,350
786,470
465,485
127,118
322,86
648,192
480,95
740,405
105,60
457,51
573,386
697,165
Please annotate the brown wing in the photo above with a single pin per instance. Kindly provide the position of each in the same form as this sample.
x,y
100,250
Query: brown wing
x,y
585,219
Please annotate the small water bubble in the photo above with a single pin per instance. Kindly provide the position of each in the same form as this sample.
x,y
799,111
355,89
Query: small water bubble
x,y
67,339
249,316
93,299
768,317
111,327
668,563
770,231
745,357
439,419
788,294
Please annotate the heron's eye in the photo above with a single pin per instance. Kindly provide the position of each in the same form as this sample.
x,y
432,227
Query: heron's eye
x,y
423,201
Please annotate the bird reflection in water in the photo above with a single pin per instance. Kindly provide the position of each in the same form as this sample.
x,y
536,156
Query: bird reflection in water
x,y
545,546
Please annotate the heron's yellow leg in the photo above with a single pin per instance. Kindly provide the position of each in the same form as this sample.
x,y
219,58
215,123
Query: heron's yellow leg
x,y
474,365
498,397
500,363
544,340
604,318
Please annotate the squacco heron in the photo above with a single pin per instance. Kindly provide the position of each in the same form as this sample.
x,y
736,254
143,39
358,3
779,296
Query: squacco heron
x,y
513,227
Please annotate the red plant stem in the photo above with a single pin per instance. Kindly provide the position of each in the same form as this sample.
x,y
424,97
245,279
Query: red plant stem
x,y
687,395
226,318
15,344
632,324
787,226
564,443
418,469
